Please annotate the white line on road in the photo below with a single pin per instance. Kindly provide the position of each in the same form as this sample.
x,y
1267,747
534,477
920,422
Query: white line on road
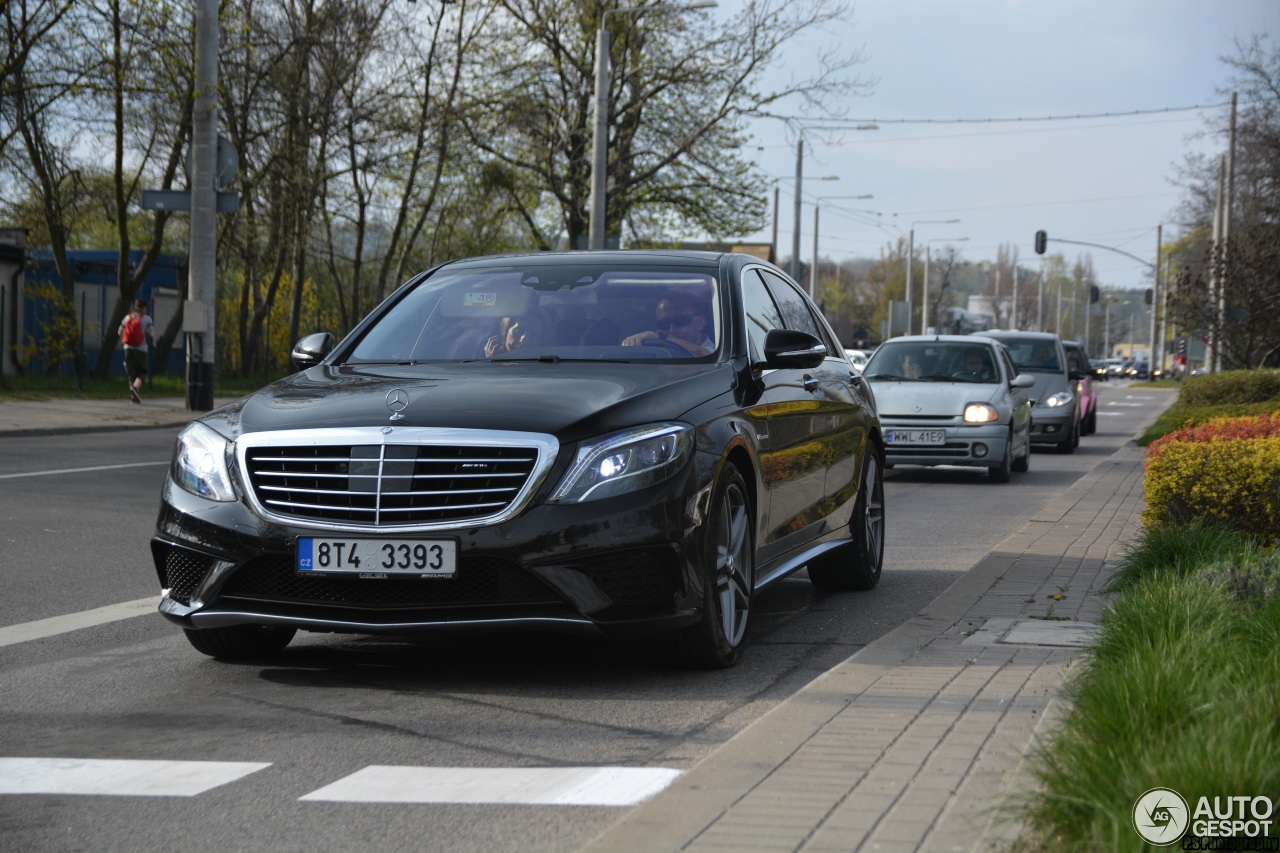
x,y
126,778
54,625
80,470
534,786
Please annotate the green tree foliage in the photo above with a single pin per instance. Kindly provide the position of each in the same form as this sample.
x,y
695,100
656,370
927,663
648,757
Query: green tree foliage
x,y
377,137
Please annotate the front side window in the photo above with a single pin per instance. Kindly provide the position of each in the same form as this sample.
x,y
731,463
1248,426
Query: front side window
x,y
761,312
568,311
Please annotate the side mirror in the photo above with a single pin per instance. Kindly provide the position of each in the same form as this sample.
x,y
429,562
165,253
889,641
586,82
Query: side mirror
x,y
1022,380
1076,375
789,348
309,351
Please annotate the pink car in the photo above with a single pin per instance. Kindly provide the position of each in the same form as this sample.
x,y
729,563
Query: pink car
x,y
1078,365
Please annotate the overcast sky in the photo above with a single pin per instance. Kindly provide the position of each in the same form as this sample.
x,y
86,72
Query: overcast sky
x,y
1098,180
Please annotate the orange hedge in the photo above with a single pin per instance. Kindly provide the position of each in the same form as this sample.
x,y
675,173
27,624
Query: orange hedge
x,y
1220,429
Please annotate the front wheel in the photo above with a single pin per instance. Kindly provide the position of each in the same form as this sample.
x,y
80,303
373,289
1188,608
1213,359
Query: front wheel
x,y
857,565
240,642
1068,444
1000,474
716,641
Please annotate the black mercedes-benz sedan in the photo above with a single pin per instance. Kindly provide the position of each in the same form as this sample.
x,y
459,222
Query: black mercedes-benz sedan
x,y
625,443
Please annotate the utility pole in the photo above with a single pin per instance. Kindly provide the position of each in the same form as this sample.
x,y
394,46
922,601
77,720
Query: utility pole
x,y
199,310
1215,277
773,240
1155,304
795,235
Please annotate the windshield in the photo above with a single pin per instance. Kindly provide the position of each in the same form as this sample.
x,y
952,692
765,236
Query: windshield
x,y
1037,355
569,311
934,361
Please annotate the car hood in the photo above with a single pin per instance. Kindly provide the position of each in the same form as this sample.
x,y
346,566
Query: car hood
x,y
1047,384
569,400
919,399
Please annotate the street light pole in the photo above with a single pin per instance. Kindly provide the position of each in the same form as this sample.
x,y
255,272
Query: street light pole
x,y
600,125
813,271
911,251
924,296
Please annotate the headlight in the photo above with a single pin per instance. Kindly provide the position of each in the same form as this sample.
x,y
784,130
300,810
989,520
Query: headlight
x,y
980,413
200,464
624,462
1062,398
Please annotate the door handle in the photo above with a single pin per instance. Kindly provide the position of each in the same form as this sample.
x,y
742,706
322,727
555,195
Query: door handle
x,y
810,384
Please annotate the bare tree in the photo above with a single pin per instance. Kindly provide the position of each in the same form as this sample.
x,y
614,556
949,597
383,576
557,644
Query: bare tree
x,y
680,91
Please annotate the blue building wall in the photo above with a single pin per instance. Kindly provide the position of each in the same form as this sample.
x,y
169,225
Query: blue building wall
x,y
95,274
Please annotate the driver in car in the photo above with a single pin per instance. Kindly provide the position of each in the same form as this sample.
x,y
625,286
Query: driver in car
x,y
679,320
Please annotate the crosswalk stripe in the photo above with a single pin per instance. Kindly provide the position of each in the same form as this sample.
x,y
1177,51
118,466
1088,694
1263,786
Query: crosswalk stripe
x,y
559,786
119,777
54,625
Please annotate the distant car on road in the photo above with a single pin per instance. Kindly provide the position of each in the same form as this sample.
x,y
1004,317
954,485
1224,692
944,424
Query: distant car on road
x,y
952,400
858,357
1099,368
1056,417
1078,363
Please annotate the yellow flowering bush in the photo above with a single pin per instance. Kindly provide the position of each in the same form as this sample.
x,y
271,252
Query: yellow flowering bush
x,y
1236,483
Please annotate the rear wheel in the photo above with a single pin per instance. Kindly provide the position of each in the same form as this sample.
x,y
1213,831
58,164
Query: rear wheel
x,y
717,640
857,564
240,642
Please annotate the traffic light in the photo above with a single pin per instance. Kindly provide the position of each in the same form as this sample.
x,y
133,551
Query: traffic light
x,y
1094,293
1182,346
1042,240
1147,297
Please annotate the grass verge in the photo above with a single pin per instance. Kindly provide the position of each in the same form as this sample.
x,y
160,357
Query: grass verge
x,y
1179,691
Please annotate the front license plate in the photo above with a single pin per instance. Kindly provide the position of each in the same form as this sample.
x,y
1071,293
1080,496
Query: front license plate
x,y
915,436
424,557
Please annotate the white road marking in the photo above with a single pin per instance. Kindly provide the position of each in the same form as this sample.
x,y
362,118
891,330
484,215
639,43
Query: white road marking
x,y
80,470
54,625
1129,405
125,778
541,786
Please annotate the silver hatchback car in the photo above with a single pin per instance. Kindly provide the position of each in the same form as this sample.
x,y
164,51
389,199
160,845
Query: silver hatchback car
x,y
952,400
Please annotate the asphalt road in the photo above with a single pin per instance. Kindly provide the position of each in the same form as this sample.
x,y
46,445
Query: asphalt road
x,y
76,513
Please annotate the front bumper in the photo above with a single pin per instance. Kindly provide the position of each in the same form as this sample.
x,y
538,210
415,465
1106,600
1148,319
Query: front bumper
x,y
622,566
1052,426
974,446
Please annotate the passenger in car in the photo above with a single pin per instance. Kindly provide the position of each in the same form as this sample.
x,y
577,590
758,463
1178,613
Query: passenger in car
x,y
515,333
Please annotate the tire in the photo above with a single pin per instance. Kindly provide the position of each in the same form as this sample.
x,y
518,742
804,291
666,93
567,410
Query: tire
x,y
1001,473
1023,462
858,563
240,642
717,640
1068,444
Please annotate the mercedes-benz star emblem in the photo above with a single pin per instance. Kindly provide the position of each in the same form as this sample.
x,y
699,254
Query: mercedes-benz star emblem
x,y
397,400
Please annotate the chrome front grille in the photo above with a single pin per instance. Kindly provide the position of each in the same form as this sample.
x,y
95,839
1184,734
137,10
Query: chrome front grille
x,y
398,483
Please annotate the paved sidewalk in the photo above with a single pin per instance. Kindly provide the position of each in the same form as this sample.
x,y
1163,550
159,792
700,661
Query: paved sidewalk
x,y
918,741
49,417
